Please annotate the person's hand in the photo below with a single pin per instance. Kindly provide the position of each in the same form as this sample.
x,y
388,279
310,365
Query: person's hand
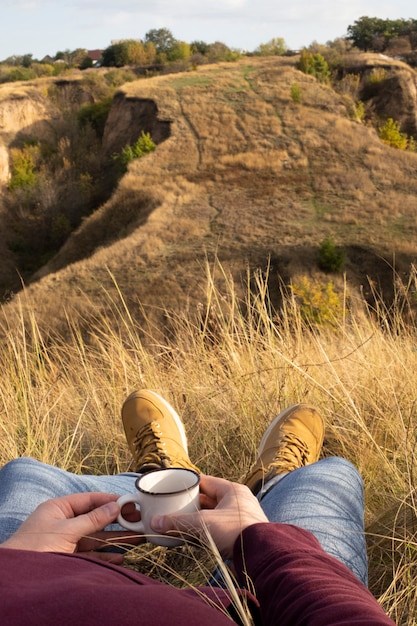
x,y
73,524
227,509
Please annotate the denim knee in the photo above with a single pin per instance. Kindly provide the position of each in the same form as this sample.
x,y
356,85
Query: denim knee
x,y
20,467
341,466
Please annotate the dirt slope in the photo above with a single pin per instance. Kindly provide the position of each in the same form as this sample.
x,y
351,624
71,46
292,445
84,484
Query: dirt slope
x,y
242,173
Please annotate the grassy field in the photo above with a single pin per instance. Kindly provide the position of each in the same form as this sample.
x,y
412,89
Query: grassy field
x,y
229,368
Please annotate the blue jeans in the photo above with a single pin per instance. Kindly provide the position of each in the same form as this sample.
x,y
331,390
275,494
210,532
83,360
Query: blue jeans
x,y
26,483
325,498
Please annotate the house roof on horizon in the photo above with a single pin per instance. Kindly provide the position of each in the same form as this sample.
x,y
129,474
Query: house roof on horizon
x,y
95,55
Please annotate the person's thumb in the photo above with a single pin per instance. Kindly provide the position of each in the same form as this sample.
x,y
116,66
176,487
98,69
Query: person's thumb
x,y
100,517
162,523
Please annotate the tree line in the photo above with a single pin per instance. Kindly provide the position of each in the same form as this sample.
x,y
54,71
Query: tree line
x,y
373,34
158,47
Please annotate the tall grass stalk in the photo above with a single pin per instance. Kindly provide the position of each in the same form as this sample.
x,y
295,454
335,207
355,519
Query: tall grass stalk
x,y
229,367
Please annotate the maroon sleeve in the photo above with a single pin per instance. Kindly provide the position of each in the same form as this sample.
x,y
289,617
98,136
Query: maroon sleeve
x,y
49,589
297,583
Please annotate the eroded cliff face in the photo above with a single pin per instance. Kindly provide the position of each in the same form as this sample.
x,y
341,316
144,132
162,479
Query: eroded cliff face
x,y
22,114
4,164
398,99
77,173
27,113
388,88
18,113
128,117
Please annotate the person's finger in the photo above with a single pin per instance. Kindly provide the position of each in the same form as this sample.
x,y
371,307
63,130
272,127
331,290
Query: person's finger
x,y
214,488
78,503
206,502
95,520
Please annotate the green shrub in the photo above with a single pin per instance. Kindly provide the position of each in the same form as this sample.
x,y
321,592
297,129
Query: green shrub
x,y
42,69
318,302
142,146
390,134
377,76
315,65
61,68
373,83
21,73
86,63
274,47
330,258
296,93
360,110
95,114
355,110
118,77
97,86
23,166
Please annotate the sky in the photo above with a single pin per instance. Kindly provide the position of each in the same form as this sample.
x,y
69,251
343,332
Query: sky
x,y
41,27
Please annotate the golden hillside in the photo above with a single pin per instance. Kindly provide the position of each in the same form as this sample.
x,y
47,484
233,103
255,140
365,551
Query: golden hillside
x,y
242,173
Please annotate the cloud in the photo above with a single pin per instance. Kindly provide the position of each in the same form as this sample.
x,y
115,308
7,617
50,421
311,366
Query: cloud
x,y
180,8
28,5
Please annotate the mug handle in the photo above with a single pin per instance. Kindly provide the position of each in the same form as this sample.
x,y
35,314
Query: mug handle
x,y
135,526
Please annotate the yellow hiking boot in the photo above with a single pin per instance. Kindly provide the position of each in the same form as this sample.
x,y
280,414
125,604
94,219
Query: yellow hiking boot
x,y
292,440
155,433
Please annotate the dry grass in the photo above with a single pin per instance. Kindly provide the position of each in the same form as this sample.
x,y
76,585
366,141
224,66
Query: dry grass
x,y
228,374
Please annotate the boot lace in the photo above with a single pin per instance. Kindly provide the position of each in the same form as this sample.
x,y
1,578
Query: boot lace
x,y
292,453
150,447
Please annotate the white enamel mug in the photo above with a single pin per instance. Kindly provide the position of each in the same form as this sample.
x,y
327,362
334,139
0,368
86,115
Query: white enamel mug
x,y
162,492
